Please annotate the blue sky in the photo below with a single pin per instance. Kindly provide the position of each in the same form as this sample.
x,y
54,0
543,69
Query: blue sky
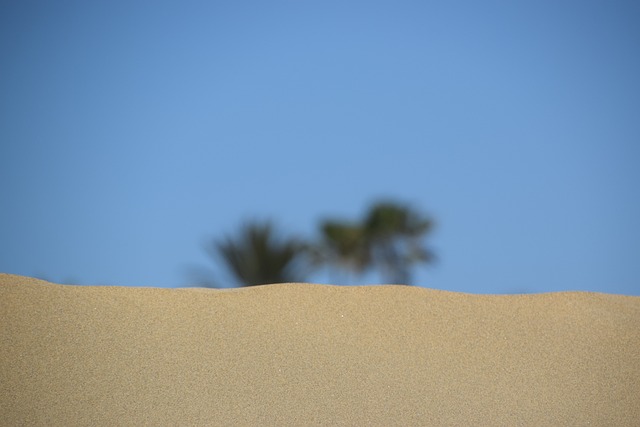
x,y
132,132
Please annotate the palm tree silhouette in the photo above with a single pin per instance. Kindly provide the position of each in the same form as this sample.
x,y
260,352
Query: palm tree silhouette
x,y
388,239
258,256
394,233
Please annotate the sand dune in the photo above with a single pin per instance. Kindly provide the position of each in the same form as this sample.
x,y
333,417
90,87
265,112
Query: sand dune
x,y
298,354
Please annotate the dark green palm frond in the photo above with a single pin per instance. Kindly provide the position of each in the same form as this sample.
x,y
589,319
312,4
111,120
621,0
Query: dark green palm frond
x,y
258,256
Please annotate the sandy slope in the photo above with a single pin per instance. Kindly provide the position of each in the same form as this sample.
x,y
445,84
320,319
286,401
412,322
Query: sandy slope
x,y
297,354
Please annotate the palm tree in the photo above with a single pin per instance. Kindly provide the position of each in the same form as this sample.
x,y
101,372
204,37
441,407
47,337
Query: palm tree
x,y
394,234
343,245
257,256
388,239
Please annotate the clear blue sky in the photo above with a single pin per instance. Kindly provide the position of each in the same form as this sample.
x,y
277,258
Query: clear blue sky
x,y
131,132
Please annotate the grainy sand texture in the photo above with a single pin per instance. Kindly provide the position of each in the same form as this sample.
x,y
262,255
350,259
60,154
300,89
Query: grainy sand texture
x,y
300,354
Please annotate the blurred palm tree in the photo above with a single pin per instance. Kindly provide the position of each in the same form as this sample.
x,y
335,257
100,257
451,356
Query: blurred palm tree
x,y
395,233
388,239
344,246
258,256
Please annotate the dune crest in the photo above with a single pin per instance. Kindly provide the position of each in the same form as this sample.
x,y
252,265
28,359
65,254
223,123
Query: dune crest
x,y
297,354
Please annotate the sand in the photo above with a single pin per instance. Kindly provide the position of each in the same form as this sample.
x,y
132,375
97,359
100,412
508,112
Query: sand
x,y
300,354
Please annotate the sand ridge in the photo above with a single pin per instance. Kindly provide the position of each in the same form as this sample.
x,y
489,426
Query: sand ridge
x,y
299,354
